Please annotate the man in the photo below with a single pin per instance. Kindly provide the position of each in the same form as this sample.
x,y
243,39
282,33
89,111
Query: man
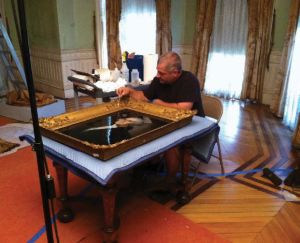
x,y
171,87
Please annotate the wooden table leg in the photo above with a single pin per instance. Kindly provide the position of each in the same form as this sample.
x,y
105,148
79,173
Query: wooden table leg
x,y
109,192
111,218
65,214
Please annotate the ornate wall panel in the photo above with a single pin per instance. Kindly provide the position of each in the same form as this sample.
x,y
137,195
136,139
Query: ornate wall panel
x,y
51,68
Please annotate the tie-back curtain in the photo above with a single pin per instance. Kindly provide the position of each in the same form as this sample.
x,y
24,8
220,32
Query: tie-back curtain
x,y
113,15
201,42
163,26
260,19
281,82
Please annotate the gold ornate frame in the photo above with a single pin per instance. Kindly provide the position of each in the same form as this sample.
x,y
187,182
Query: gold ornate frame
x,y
176,118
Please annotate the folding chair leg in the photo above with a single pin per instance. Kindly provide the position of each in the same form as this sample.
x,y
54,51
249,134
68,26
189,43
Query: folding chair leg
x,y
220,156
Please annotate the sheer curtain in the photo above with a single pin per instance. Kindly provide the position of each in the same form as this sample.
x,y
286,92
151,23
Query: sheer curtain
x,y
103,43
292,104
138,26
226,60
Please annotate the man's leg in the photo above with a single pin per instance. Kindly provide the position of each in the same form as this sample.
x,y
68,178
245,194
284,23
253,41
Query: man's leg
x,y
172,157
186,152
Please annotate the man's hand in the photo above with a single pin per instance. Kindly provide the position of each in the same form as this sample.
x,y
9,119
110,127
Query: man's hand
x,y
123,91
159,102
135,94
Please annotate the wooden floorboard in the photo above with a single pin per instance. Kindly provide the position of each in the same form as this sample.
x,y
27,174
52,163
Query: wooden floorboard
x,y
285,224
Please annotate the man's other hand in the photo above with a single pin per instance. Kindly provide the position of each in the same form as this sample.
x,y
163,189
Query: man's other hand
x,y
123,91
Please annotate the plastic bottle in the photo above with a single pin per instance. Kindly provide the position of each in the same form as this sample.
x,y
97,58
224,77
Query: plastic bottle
x,y
124,72
134,75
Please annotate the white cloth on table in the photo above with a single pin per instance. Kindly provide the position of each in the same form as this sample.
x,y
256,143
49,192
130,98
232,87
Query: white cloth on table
x,y
102,171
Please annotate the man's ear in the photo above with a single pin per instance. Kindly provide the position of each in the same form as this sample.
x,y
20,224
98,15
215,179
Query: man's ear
x,y
176,73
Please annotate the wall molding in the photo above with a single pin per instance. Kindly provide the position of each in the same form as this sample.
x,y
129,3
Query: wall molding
x,y
51,68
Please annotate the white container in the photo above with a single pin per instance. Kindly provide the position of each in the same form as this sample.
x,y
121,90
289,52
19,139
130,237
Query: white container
x,y
115,74
134,75
125,72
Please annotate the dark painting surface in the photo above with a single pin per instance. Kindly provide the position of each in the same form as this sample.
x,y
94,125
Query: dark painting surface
x,y
107,130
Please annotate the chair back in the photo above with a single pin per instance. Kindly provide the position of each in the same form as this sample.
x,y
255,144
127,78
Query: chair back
x,y
213,106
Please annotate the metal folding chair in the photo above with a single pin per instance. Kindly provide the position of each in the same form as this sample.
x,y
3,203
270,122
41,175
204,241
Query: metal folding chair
x,y
202,149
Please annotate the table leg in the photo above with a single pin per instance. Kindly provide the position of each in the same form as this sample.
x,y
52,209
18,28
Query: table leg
x,y
111,218
65,214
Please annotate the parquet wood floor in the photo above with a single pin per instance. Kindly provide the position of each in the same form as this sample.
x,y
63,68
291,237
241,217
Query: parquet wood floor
x,y
248,207
244,206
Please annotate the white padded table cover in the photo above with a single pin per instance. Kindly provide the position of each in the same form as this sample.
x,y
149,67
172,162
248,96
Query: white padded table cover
x,y
102,171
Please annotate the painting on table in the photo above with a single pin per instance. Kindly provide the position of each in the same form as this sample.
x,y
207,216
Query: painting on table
x,y
109,129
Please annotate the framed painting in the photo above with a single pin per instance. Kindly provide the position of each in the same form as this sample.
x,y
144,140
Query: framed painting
x,y
109,129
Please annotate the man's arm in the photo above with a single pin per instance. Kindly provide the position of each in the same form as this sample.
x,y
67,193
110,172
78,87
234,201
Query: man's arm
x,y
135,94
179,105
139,95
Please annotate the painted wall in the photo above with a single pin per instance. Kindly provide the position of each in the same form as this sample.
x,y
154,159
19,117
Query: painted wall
x,y
57,24
183,19
282,8
42,23
76,24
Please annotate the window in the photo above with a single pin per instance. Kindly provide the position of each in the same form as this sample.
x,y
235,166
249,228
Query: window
x,y
226,61
102,54
138,26
292,103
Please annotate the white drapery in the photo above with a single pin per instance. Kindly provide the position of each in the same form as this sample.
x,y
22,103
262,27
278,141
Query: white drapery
x,y
292,103
138,26
103,36
226,61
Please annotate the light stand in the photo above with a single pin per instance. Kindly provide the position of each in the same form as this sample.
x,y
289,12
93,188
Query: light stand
x,y
38,144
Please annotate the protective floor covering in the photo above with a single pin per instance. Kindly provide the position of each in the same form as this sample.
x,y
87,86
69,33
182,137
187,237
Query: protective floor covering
x,y
142,220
